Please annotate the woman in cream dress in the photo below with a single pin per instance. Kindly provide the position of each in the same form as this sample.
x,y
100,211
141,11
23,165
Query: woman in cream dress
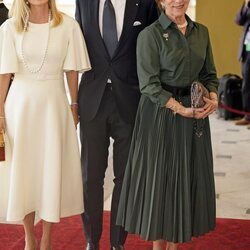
x,y
42,172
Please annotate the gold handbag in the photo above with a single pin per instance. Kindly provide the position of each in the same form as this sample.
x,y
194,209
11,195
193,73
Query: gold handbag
x,y
2,146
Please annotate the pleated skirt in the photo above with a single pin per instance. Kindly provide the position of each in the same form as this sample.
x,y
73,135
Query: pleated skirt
x,y
168,189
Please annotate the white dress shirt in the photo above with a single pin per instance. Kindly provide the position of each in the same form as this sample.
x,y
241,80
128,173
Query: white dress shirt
x,y
119,6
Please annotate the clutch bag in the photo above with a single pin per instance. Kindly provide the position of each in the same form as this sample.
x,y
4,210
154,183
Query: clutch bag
x,y
198,91
2,147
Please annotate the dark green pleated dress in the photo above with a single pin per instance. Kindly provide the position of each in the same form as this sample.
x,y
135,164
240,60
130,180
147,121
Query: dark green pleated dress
x,y
168,189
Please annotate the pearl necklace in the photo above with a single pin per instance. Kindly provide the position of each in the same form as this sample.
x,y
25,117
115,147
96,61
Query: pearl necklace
x,y
24,61
181,26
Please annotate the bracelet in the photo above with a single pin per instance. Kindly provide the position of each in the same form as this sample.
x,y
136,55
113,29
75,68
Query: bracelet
x,y
74,103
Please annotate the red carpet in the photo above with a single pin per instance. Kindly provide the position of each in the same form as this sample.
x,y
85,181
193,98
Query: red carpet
x,y
230,234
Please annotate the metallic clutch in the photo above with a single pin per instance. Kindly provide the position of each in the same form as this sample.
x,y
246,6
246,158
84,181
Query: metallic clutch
x,y
198,91
2,147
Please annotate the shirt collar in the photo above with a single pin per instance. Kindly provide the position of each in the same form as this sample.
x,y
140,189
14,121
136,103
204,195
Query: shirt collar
x,y
166,22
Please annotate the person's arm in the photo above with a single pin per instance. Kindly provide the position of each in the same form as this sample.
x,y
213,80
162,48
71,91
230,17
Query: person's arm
x,y
244,14
208,74
208,77
148,68
4,86
72,80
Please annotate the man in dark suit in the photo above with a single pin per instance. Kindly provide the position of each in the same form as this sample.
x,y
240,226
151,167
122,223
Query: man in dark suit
x,y
108,100
243,19
3,12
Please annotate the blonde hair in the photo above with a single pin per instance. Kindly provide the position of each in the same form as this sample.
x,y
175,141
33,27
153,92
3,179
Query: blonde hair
x,y
159,4
20,9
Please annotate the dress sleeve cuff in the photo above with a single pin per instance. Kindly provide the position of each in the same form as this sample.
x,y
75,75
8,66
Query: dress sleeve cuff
x,y
212,89
164,97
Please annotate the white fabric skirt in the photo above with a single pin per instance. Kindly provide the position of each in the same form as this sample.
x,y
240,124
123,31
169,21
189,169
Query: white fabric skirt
x,y
42,172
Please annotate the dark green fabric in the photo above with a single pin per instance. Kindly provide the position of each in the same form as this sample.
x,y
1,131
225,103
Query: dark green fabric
x,y
166,56
168,189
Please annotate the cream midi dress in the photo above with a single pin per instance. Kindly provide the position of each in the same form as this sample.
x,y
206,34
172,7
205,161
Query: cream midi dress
x,y
42,172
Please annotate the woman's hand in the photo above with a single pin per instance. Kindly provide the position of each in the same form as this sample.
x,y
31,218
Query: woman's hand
x,y
74,110
191,112
199,113
187,112
210,106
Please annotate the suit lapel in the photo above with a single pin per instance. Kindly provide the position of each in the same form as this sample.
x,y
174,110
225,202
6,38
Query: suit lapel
x,y
131,9
96,28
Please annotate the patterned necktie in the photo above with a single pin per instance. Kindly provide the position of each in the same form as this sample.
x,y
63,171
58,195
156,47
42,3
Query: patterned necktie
x,y
109,27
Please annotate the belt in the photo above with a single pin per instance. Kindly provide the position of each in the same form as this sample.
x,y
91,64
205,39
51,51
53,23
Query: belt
x,y
38,77
177,91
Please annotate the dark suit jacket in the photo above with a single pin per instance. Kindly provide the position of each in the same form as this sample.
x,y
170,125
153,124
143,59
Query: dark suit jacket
x,y
122,67
243,19
3,13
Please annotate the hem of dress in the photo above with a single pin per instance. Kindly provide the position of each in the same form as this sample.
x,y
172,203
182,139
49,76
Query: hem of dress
x,y
165,238
19,219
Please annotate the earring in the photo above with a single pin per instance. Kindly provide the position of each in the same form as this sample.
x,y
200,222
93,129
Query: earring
x,y
27,2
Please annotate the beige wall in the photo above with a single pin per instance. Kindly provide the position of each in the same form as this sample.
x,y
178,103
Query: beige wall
x,y
218,16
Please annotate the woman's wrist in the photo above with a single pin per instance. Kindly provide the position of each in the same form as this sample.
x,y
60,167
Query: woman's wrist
x,y
2,115
176,108
213,96
74,104
180,109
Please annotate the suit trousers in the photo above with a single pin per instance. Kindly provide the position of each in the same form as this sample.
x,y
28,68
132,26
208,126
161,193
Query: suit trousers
x,y
246,83
95,138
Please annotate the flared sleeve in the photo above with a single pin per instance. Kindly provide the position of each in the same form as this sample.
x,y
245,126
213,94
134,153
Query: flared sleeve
x,y
8,54
77,58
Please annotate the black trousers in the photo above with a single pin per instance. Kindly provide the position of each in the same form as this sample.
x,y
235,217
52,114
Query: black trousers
x,y
95,138
246,83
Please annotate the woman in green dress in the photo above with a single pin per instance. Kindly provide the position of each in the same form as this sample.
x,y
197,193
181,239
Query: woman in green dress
x,y
168,191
